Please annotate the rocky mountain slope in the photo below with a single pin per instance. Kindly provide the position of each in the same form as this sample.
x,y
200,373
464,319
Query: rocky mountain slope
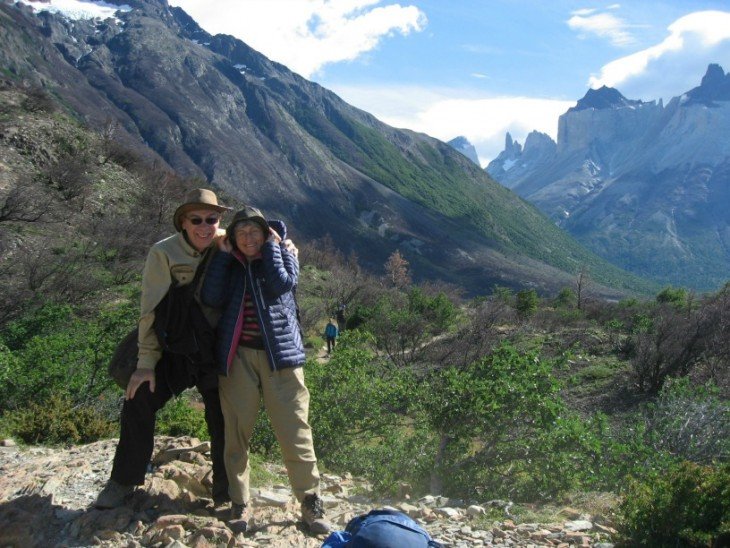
x,y
642,184
213,108
46,496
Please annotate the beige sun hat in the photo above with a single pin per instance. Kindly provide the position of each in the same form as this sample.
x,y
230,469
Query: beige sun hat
x,y
199,198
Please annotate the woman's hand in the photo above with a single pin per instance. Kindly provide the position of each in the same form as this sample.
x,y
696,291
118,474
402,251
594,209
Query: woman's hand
x,y
224,245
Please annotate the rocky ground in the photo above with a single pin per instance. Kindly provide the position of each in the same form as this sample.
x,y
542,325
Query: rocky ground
x,y
46,497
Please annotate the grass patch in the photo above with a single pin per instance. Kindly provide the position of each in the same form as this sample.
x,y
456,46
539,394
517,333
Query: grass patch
x,y
263,474
593,373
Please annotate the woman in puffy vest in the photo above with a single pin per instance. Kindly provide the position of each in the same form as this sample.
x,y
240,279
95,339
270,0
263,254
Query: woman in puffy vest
x,y
260,353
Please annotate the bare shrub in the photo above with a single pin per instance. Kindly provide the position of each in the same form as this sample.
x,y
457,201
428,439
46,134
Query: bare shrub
x,y
161,192
321,253
396,270
24,202
480,331
691,422
38,100
115,150
339,281
676,341
122,242
69,175
715,365
56,273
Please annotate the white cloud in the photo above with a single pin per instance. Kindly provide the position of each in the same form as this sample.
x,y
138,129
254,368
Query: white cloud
x,y
677,63
448,113
603,25
305,35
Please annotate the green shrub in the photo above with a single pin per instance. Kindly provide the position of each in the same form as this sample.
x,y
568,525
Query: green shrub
x,y
179,418
566,298
686,505
57,421
496,426
54,351
358,413
263,439
676,297
526,304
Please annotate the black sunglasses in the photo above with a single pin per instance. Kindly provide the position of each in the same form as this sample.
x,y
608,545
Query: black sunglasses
x,y
208,220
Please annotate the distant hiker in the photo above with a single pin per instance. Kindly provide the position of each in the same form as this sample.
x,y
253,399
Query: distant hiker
x,y
330,333
260,353
171,262
340,315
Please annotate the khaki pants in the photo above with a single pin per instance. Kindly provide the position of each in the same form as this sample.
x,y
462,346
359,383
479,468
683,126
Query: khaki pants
x,y
286,400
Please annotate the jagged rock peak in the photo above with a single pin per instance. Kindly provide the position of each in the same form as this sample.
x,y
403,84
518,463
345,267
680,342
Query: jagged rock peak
x,y
511,147
604,98
715,86
714,76
539,140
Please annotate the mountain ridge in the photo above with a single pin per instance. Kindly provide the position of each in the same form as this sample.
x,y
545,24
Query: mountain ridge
x,y
212,107
642,184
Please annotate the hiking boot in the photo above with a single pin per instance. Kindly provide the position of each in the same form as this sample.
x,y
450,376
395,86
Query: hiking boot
x,y
313,515
113,495
219,493
238,523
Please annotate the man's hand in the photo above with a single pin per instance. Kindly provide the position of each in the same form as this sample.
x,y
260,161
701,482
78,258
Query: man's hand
x,y
224,245
138,378
274,236
291,248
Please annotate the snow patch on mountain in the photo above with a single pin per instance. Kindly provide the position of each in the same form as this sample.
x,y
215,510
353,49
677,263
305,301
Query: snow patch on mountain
x,y
77,9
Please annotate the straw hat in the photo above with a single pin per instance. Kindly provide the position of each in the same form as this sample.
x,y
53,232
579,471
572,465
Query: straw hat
x,y
199,198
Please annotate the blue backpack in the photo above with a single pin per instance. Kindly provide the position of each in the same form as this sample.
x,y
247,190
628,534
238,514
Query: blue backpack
x,y
381,529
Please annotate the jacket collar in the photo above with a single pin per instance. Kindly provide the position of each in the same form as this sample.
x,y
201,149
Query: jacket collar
x,y
187,248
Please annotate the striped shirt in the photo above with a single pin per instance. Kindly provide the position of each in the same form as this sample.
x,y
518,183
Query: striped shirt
x,y
250,328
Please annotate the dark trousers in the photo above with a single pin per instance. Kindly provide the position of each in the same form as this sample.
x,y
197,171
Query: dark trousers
x,y
136,438
330,344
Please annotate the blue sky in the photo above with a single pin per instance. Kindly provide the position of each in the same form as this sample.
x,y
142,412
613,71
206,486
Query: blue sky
x,y
479,68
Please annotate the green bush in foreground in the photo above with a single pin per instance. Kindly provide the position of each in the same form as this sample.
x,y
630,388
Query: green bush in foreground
x,y
57,421
56,351
688,505
179,418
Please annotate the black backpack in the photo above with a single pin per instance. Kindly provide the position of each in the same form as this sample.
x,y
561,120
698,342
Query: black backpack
x,y
185,335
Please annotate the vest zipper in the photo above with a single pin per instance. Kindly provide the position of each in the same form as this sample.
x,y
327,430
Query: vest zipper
x,y
258,300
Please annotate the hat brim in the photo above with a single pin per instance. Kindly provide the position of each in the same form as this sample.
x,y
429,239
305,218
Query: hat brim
x,y
183,209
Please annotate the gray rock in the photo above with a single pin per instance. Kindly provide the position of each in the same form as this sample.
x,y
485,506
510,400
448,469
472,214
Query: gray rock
x,y
578,525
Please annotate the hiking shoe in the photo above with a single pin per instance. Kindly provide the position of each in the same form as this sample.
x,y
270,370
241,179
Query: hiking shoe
x,y
219,493
113,495
313,515
238,523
